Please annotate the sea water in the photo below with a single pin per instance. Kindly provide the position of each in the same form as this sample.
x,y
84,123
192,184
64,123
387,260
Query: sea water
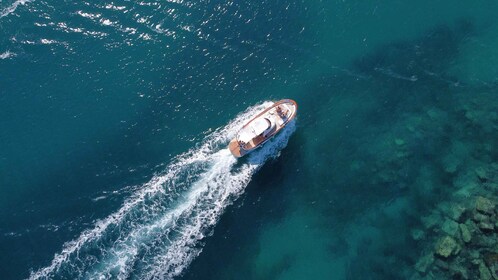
x,y
115,115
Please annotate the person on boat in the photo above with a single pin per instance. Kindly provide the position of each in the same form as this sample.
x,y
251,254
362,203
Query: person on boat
x,y
241,143
281,112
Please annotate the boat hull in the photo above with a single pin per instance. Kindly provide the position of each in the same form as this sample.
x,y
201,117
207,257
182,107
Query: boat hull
x,y
281,113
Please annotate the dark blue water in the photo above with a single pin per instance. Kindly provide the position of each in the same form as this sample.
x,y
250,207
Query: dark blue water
x,y
114,116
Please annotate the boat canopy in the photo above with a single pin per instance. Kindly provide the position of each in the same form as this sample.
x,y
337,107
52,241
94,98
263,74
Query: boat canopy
x,y
254,129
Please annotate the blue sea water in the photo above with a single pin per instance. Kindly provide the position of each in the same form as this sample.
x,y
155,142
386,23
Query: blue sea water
x,y
115,115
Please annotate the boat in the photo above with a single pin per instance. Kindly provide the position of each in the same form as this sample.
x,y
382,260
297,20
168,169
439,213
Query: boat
x,y
263,127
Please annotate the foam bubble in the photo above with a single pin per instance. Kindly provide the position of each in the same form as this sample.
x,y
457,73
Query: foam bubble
x,y
7,54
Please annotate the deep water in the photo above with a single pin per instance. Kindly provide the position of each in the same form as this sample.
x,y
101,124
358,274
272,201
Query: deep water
x,y
114,116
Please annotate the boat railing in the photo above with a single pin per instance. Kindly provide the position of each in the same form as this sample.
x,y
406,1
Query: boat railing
x,y
283,101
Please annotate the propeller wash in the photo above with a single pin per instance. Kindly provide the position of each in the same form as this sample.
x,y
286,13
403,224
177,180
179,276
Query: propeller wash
x,y
156,232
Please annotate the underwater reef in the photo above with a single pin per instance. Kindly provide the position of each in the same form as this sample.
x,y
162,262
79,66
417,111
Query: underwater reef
x,y
444,223
406,185
442,156
418,147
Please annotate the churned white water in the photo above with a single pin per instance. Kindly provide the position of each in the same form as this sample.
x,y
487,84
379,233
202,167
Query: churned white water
x,y
156,232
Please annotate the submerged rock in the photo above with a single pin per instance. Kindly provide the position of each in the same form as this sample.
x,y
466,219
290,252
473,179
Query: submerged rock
x,y
493,273
486,227
491,260
483,240
424,263
431,220
451,163
466,183
442,264
478,217
450,227
456,211
417,234
484,205
453,211
471,226
465,233
458,271
474,255
482,173
399,141
446,246
484,273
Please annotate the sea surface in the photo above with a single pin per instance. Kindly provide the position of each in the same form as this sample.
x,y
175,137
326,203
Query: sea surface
x,y
115,116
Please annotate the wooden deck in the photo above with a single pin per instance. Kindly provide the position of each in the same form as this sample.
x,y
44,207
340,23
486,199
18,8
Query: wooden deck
x,y
235,148
254,142
238,151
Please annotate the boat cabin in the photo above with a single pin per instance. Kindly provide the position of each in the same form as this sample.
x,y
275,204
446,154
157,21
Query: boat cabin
x,y
262,127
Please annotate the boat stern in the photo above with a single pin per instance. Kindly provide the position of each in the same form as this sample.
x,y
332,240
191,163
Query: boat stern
x,y
235,148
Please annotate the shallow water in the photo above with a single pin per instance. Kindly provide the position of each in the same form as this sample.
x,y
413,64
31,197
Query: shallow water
x,y
104,107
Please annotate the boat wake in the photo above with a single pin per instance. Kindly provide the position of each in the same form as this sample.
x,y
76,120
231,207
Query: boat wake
x,y
10,9
156,232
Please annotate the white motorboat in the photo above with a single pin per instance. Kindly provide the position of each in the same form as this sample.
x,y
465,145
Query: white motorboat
x,y
263,127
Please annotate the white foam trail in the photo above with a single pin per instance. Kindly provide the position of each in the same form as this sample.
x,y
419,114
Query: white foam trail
x,y
126,250
7,54
10,9
229,186
148,218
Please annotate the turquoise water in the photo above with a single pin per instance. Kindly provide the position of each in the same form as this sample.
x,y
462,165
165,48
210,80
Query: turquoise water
x,y
114,116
